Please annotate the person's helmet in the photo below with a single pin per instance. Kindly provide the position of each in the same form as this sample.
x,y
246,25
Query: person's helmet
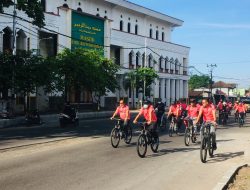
x,y
224,103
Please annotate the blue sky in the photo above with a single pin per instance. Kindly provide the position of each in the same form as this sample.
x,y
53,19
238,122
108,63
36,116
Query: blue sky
x,y
218,32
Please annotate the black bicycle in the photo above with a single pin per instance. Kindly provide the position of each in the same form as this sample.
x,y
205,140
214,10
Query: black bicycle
x,y
190,134
146,138
241,119
173,128
207,142
119,132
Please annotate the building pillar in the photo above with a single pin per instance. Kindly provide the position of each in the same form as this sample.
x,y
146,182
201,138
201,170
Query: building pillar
x,y
168,90
1,41
185,89
107,34
172,90
181,89
163,90
177,87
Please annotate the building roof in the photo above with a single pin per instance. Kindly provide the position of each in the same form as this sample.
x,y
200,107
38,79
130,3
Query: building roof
x,y
146,11
221,84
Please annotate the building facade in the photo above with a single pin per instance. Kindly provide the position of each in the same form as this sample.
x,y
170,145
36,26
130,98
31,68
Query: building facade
x,y
134,37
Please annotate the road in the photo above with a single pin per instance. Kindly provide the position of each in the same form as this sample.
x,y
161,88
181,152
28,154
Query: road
x,y
89,162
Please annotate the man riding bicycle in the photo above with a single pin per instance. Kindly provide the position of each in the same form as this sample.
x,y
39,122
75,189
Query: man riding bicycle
x,y
208,112
241,109
160,110
148,112
123,111
192,113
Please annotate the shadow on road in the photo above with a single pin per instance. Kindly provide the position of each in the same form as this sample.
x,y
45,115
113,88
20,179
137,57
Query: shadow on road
x,y
163,152
221,157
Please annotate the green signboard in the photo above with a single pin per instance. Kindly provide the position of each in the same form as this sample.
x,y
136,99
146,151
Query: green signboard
x,y
87,32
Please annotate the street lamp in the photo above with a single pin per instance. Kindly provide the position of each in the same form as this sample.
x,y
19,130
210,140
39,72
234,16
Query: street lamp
x,y
39,41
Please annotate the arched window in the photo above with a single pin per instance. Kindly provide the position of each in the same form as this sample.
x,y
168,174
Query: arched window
x,y
137,60
129,27
157,34
161,65
150,61
79,9
143,60
136,29
130,60
167,65
7,36
65,5
163,36
98,15
121,25
151,33
171,61
177,66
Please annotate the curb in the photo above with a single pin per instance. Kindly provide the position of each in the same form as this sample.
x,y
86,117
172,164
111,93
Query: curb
x,y
229,178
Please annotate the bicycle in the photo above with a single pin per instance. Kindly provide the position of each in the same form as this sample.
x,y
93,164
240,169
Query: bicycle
x,y
236,116
173,128
118,133
190,134
145,139
207,142
241,119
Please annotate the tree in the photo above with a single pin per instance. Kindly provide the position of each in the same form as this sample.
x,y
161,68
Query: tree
x,y
88,70
146,76
197,81
32,8
131,82
6,74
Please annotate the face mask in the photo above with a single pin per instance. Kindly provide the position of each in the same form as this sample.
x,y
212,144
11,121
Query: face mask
x,y
145,106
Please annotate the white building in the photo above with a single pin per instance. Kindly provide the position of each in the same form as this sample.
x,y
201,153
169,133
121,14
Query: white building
x,y
128,28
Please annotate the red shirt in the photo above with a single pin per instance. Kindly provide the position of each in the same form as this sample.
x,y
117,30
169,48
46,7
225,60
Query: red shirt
x,y
193,111
122,111
178,110
208,113
146,113
220,106
235,106
241,108
184,106
173,109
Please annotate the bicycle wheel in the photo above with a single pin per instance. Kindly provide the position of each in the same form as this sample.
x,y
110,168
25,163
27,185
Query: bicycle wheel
x,y
128,136
203,150
211,148
142,145
187,136
193,135
115,137
155,143
171,130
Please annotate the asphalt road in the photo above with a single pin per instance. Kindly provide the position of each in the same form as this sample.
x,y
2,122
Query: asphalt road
x,y
89,162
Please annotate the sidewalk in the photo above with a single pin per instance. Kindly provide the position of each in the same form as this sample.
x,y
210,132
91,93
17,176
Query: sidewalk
x,y
51,119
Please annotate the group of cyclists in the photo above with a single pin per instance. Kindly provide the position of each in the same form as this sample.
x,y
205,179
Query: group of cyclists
x,y
199,114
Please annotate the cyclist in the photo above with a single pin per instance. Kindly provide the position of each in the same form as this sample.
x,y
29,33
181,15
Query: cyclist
x,y
148,112
208,112
172,111
160,109
241,109
192,112
123,111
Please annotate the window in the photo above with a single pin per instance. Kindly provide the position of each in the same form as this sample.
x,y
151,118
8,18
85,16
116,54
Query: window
x,y
28,44
129,27
65,6
166,65
161,67
79,9
131,65
136,29
98,15
143,60
43,4
138,59
171,65
151,33
163,36
177,65
150,61
157,34
121,25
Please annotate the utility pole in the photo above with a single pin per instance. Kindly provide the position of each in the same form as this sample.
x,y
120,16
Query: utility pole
x,y
211,68
14,53
145,65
